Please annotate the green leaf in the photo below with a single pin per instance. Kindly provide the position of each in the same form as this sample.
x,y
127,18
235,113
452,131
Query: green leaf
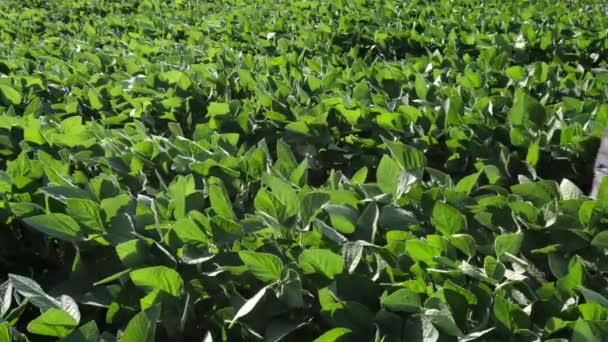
x,y
593,297
85,333
32,291
574,278
466,184
360,176
422,89
278,329
493,268
158,278
321,261
465,243
387,175
533,154
538,193
249,305
142,327
57,225
264,266
407,157
220,202
335,335
600,240
444,321
53,322
312,204
179,189
218,108
95,100
447,219
285,193
403,300
419,250
225,231
85,212
508,243
510,315
515,73
569,190
343,217
367,223
113,206
132,253
9,95
526,110
582,332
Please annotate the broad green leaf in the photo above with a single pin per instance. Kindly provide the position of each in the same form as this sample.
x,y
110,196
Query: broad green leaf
x,y
408,157
279,329
533,154
574,278
444,322
187,230
9,95
493,268
343,217
538,193
508,243
321,261
53,322
360,176
95,99
113,206
264,266
249,305
335,335
593,297
421,87
367,223
85,333
419,250
387,175
526,110
85,212
312,204
447,219
582,332
466,184
179,189
158,277
569,190
600,240
218,108
285,193
220,202
465,243
225,231
56,225
286,162
475,335
516,73
510,315
132,253
420,328
404,300
468,295
142,327
32,291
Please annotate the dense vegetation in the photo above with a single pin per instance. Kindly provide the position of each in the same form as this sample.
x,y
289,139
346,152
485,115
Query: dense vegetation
x,y
248,170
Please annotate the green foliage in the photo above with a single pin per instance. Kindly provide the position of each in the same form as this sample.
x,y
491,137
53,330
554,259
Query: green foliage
x,y
310,171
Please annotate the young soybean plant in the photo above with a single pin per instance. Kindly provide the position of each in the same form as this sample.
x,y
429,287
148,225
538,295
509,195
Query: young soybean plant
x,y
600,168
